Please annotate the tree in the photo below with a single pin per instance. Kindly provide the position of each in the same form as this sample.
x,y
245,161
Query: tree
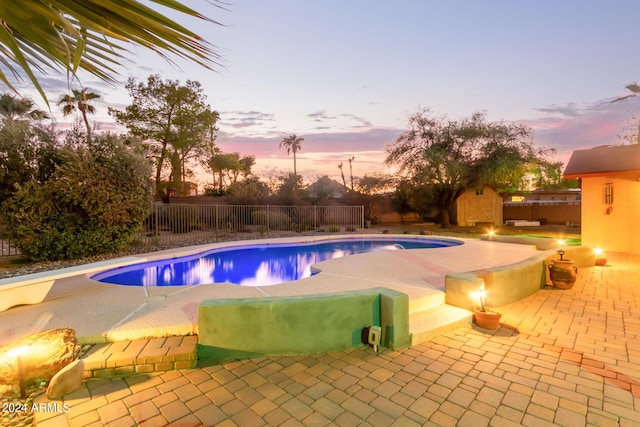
x,y
634,88
372,187
293,145
548,175
27,153
223,164
13,108
344,182
351,170
289,189
175,121
91,35
250,191
79,100
448,157
94,202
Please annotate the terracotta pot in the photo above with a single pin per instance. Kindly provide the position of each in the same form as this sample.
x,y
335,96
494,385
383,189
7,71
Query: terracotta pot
x,y
563,273
487,319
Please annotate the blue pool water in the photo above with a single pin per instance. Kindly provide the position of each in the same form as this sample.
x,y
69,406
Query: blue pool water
x,y
255,265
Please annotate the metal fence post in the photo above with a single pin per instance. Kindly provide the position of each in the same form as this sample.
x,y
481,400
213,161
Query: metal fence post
x,y
315,217
156,226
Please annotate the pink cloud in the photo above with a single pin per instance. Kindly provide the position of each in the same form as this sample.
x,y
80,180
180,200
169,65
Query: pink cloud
x,y
572,126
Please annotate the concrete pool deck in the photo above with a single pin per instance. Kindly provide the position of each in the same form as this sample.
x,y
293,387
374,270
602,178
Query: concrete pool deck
x,y
561,358
103,312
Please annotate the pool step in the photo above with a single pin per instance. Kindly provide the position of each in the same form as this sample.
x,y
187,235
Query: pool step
x,y
425,299
428,324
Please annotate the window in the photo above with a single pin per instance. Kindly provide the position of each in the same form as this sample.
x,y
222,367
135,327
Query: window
x,y
608,194
479,191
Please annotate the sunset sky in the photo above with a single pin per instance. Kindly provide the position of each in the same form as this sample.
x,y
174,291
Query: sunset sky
x,y
345,75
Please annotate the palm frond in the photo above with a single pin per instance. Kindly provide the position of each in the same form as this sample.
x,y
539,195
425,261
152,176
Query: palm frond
x,y
92,35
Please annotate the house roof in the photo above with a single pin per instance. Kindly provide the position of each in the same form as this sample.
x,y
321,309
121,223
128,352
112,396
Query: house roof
x,y
604,160
326,187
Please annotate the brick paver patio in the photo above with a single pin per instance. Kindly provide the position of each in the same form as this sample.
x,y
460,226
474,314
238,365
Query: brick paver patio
x,y
562,357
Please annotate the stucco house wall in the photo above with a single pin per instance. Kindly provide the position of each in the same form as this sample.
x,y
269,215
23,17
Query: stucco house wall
x,y
612,227
610,177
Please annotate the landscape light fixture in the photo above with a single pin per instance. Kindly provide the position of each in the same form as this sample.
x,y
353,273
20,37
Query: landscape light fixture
x,y
600,259
479,297
18,352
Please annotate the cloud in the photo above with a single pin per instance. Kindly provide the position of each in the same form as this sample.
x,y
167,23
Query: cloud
x,y
575,126
374,139
245,119
343,120
320,116
363,122
568,110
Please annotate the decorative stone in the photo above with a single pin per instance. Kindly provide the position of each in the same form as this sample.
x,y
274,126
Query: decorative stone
x,y
68,379
41,355
563,273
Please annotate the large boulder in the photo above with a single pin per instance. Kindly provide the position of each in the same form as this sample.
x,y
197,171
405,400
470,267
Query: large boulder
x,y
42,355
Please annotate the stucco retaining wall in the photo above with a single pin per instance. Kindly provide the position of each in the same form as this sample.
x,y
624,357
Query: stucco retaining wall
x,y
251,327
510,283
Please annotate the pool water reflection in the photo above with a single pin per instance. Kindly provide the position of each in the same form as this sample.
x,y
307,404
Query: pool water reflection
x,y
254,265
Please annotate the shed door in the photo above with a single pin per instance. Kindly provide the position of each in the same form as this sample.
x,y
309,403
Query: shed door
x,y
480,209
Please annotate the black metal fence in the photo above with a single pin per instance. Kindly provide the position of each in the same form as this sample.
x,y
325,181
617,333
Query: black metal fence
x,y
175,223
192,223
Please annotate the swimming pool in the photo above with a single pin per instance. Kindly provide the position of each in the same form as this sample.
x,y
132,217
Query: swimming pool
x,y
256,264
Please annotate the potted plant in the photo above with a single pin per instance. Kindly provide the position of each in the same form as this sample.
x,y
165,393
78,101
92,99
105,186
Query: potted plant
x,y
484,316
562,272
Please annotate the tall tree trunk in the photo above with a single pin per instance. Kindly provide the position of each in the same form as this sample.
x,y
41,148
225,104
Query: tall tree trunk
x,y
350,172
295,170
446,221
86,123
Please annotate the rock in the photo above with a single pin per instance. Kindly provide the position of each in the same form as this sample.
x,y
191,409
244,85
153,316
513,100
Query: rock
x,y
42,355
68,379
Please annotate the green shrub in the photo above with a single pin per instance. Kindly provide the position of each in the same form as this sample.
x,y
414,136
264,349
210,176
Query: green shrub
x,y
94,203
277,220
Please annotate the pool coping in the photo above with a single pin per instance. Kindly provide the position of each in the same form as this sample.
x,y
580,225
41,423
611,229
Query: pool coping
x,y
104,313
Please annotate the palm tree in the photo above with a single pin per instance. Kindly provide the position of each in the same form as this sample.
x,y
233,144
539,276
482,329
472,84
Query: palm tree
x,y
342,173
351,170
13,108
634,88
79,100
293,146
91,35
